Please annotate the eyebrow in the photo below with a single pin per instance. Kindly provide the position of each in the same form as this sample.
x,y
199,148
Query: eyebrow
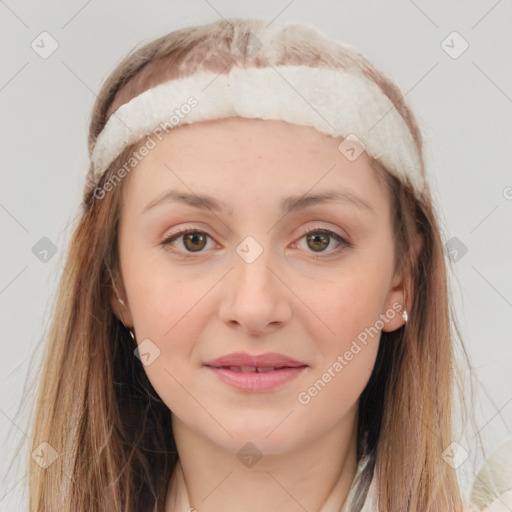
x,y
288,205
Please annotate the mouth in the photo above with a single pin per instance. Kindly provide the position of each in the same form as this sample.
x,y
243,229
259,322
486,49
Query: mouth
x,y
243,361
255,369
255,372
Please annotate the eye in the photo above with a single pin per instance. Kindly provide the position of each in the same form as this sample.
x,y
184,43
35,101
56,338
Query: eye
x,y
318,239
194,240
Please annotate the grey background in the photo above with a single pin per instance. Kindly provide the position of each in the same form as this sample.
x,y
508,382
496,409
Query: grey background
x,y
463,105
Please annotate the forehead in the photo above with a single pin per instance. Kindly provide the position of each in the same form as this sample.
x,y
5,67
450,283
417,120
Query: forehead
x,y
229,157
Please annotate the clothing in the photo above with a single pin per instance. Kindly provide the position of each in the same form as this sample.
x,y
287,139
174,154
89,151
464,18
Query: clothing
x,y
361,496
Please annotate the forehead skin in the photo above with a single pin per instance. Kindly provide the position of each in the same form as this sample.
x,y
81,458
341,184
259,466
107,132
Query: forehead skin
x,y
224,157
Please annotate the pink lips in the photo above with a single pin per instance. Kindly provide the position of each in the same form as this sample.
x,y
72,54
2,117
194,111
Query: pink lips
x,y
262,372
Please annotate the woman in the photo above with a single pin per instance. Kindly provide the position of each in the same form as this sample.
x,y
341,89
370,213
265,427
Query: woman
x,y
254,313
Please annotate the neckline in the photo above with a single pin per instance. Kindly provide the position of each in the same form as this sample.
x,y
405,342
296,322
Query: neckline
x,y
362,495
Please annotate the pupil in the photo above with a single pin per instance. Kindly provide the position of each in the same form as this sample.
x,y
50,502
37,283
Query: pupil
x,y
194,237
316,237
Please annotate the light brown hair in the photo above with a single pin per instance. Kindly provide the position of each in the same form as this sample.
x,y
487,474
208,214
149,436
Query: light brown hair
x,y
96,406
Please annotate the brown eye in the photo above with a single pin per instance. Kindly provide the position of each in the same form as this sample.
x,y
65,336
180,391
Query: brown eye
x,y
193,240
318,240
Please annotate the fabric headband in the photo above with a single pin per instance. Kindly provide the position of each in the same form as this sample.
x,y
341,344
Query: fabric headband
x,y
333,101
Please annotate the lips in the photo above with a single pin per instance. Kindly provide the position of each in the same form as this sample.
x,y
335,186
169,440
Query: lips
x,y
248,369
242,361
255,373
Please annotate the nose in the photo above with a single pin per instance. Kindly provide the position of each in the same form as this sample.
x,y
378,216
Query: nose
x,y
256,298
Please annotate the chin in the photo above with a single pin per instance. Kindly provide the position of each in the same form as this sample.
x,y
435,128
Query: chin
x,y
269,438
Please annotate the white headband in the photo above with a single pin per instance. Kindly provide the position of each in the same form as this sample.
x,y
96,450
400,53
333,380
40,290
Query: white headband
x,y
335,102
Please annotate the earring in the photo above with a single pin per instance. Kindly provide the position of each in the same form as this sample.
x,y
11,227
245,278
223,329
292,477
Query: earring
x,y
405,316
131,333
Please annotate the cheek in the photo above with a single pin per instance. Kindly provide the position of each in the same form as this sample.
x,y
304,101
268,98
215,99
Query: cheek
x,y
169,306
347,338
168,314
169,311
347,344
348,304
158,294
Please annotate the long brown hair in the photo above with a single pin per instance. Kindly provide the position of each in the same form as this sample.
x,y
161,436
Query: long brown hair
x,y
96,406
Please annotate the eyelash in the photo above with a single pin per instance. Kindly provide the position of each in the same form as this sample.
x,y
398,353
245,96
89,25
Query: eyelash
x,y
343,243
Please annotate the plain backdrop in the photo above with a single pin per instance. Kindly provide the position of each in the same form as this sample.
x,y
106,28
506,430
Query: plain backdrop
x,y
458,84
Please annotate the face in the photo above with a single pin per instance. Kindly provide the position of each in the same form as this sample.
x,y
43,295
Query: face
x,y
257,273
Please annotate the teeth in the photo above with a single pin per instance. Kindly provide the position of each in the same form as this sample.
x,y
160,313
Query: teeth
x,y
252,369
244,369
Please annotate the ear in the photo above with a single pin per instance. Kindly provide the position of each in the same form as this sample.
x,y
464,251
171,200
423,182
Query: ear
x,y
121,309
401,293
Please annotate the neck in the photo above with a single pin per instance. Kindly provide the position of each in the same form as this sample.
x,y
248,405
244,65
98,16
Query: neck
x,y
315,476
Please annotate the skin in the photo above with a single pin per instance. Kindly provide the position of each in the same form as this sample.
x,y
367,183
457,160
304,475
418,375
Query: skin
x,y
303,300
